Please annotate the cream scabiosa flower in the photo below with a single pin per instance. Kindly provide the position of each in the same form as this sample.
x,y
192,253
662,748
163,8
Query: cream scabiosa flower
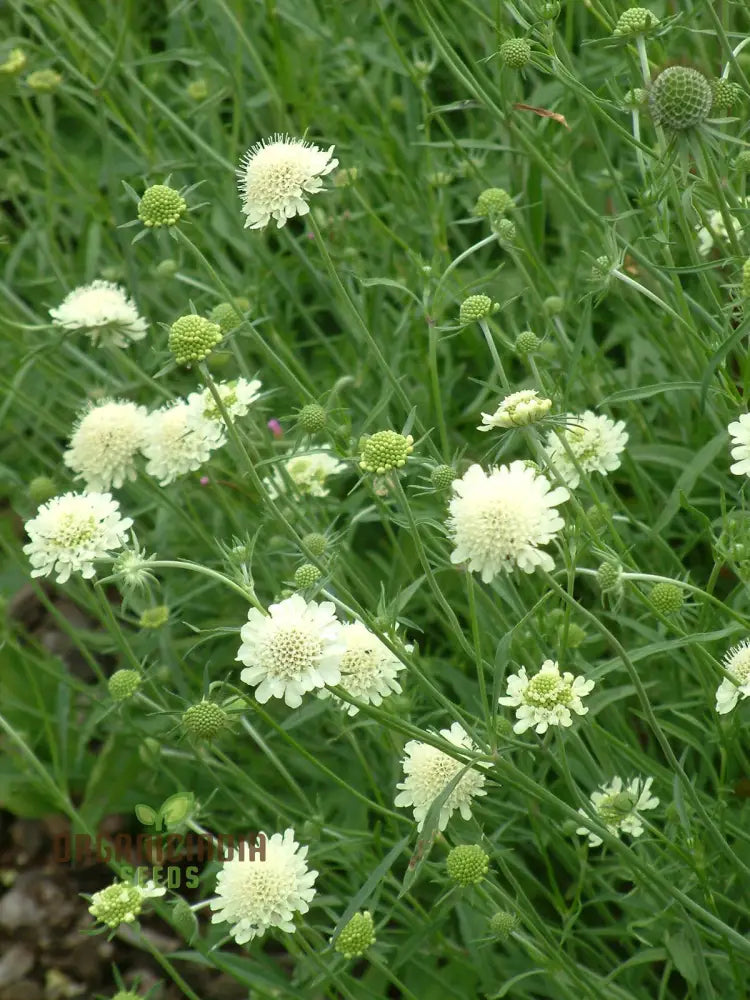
x,y
716,228
105,442
428,770
276,176
237,397
308,472
546,699
737,684
178,440
499,519
368,668
516,410
618,807
262,889
596,442
70,532
293,649
103,311
740,432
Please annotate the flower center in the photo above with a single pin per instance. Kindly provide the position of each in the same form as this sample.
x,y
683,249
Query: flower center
x,y
548,690
360,664
266,884
614,808
739,667
290,652
73,530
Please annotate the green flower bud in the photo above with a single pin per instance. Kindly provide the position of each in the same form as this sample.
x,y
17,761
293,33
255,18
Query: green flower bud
x,y
515,53
549,11
14,62
476,307
315,543
527,342
226,316
667,598
493,200
503,727
44,81
116,904
167,268
608,576
504,923
680,98
161,206
553,305
384,451
742,162
192,338
504,229
725,95
312,418
345,177
123,684
635,21
357,936
467,864
635,98
205,720
154,617
42,488
197,90
306,576
442,476
576,635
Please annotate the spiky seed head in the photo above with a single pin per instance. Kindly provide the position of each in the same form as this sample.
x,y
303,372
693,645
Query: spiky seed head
x,y
608,576
527,342
204,720
357,936
315,543
384,451
161,206
635,21
306,576
42,488
680,98
667,598
123,684
312,418
192,338
503,923
601,268
476,307
467,864
442,476
725,95
493,200
515,53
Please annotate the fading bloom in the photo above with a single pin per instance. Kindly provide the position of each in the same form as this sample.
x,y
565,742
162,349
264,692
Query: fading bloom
x,y
716,228
737,685
368,668
499,519
293,649
178,440
308,472
596,442
517,409
264,888
277,175
237,397
740,432
101,310
546,699
105,442
428,770
618,807
72,531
